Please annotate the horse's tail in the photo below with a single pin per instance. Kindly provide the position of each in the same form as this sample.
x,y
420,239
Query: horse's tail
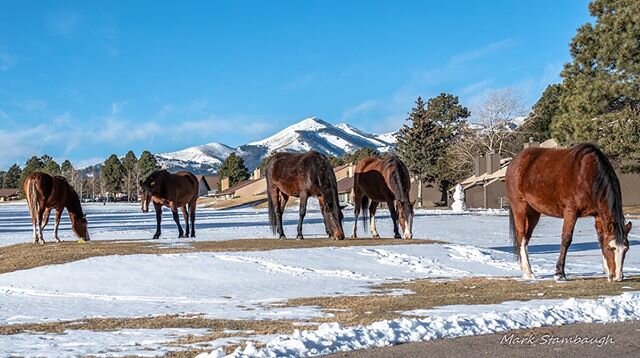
x,y
514,237
271,205
364,205
32,199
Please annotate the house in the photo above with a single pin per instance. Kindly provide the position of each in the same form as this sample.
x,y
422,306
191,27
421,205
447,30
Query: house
x,y
486,187
7,194
207,184
255,185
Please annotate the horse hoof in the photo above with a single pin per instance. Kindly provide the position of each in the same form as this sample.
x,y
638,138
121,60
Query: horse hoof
x,y
282,237
353,237
181,236
397,236
376,236
193,235
156,237
558,277
299,237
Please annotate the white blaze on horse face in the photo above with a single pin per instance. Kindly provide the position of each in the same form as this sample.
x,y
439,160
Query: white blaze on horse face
x,y
524,258
618,255
407,227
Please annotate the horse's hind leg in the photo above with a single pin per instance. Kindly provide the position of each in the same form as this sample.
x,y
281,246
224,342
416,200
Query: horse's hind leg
x,y
372,212
303,212
176,218
569,223
394,219
523,230
186,219
192,214
282,202
40,217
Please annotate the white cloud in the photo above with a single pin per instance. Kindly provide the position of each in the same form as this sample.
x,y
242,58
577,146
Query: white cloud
x,y
481,52
359,108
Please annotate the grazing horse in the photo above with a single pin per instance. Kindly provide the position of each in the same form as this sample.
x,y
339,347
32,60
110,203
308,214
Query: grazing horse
x,y
43,193
383,180
173,191
303,175
567,183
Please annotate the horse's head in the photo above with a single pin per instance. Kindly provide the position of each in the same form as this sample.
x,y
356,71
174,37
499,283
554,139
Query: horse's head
x,y
145,194
79,226
614,249
333,219
405,217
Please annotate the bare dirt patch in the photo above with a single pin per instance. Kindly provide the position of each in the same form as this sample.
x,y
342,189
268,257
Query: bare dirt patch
x,y
26,256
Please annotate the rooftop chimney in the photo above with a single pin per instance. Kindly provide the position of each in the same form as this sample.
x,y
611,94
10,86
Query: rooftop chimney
x,y
479,166
493,162
224,184
257,174
531,144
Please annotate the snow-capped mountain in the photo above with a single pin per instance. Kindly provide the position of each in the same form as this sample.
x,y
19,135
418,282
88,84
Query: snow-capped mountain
x,y
308,134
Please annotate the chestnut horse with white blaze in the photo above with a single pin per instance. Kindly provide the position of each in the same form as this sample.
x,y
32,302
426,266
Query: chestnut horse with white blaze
x,y
569,184
384,180
303,175
43,193
179,190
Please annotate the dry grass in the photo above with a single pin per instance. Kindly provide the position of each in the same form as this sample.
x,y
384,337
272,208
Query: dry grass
x,y
26,256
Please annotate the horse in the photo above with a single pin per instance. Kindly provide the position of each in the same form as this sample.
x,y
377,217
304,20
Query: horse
x,y
174,191
383,180
569,184
303,175
43,193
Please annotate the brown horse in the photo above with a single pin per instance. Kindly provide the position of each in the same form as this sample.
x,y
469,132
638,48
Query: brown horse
x,y
44,193
173,191
303,175
567,183
383,180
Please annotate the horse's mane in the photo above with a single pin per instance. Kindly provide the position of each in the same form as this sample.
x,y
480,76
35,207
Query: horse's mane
x,y
399,178
73,201
606,185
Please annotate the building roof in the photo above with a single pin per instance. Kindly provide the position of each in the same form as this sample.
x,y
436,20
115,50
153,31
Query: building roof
x,y
211,181
550,143
233,189
7,192
345,184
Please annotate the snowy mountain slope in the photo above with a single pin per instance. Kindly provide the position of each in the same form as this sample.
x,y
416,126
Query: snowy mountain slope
x,y
309,134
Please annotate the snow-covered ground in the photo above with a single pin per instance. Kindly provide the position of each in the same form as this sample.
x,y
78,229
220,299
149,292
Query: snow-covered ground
x,y
244,284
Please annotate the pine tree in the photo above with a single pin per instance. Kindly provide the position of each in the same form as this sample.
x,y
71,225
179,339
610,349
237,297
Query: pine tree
x,y
2,174
601,82
129,164
233,168
360,154
12,177
423,145
146,165
34,164
112,174
336,161
537,125
49,165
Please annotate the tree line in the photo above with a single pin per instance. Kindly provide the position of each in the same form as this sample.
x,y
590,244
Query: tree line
x,y
114,175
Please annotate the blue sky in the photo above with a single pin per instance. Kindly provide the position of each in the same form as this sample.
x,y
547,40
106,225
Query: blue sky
x,y
81,80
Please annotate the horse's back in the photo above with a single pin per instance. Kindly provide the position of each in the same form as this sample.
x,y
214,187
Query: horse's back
x,y
294,173
551,180
376,177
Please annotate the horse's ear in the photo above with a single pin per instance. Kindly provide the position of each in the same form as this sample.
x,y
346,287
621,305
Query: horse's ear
x,y
627,227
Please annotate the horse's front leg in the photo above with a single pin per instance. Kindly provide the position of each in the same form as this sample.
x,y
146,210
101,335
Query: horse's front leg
x,y
394,218
158,208
567,235
192,216
303,212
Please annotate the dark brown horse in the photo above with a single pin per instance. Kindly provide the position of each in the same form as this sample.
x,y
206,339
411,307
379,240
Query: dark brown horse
x,y
383,180
567,183
303,175
174,191
44,193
